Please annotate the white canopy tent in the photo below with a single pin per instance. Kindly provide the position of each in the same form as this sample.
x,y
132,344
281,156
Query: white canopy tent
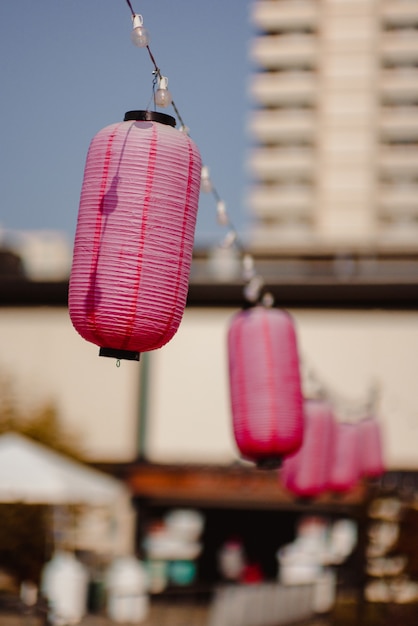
x,y
31,473
34,474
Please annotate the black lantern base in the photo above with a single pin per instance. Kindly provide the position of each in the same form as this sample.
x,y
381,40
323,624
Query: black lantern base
x,y
114,353
270,463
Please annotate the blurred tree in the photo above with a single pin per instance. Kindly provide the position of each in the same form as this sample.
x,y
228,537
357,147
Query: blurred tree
x,y
24,540
25,530
41,424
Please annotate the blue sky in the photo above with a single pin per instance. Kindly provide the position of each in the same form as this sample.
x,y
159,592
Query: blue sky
x,y
69,68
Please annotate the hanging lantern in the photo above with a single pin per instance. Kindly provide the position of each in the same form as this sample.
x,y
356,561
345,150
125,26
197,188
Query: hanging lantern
x,y
372,464
306,472
265,388
135,234
346,464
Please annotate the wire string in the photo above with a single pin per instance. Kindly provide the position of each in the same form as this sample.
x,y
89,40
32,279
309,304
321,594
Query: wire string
x,y
253,282
130,7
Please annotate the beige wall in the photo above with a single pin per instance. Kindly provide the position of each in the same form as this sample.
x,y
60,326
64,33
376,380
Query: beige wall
x,y
188,413
352,350
48,361
188,417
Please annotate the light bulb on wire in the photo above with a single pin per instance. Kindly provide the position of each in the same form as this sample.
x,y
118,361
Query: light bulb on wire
x,y
139,34
253,288
205,181
162,97
221,213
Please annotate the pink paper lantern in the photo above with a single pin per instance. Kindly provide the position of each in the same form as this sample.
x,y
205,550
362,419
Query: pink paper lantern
x,y
135,234
265,387
372,463
346,464
306,472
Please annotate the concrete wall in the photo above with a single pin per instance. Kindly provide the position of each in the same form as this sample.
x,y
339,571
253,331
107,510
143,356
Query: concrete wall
x,y
188,408
187,404
47,361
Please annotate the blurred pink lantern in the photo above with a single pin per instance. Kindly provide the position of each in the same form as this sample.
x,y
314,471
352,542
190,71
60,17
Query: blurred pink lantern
x,y
135,234
265,387
346,463
306,472
372,464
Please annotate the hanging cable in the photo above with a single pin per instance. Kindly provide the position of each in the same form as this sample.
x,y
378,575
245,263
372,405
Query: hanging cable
x,y
130,7
253,291
253,282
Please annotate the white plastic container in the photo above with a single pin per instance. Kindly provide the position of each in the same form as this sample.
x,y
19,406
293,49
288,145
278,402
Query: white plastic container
x,y
64,584
231,560
186,524
127,590
325,591
297,567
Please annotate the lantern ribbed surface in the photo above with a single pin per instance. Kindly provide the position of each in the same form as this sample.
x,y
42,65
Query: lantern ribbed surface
x,y
346,465
135,235
265,387
306,472
372,463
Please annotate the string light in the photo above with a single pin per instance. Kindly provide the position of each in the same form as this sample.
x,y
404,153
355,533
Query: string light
x,y
139,34
229,239
253,290
349,409
221,213
205,182
162,97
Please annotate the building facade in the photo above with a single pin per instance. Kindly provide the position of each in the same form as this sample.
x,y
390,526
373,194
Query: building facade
x,y
173,407
334,160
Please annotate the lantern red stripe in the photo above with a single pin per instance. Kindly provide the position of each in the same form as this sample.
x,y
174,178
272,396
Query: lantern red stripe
x,y
273,408
142,237
243,433
186,218
91,317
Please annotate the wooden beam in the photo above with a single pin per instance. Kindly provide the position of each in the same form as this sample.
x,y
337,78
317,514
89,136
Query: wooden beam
x,y
225,487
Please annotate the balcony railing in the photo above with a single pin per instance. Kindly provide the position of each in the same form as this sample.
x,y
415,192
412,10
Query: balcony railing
x,y
287,199
399,12
399,160
400,46
287,14
399,124
276,163
399,85
276,51
398,200
277,126
284,88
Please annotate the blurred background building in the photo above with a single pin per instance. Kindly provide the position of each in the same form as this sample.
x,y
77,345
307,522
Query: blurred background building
x,y
335,125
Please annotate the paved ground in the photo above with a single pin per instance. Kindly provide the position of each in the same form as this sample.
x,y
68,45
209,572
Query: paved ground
x,y
175,614
158,616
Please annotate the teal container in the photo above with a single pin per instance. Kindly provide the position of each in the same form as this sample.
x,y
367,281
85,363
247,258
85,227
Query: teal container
x,y
182,572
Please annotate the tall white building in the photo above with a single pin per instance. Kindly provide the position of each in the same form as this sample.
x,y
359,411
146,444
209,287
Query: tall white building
x,y
334,160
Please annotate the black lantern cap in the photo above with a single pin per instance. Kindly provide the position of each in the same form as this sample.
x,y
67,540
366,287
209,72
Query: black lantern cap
x,y
149,116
